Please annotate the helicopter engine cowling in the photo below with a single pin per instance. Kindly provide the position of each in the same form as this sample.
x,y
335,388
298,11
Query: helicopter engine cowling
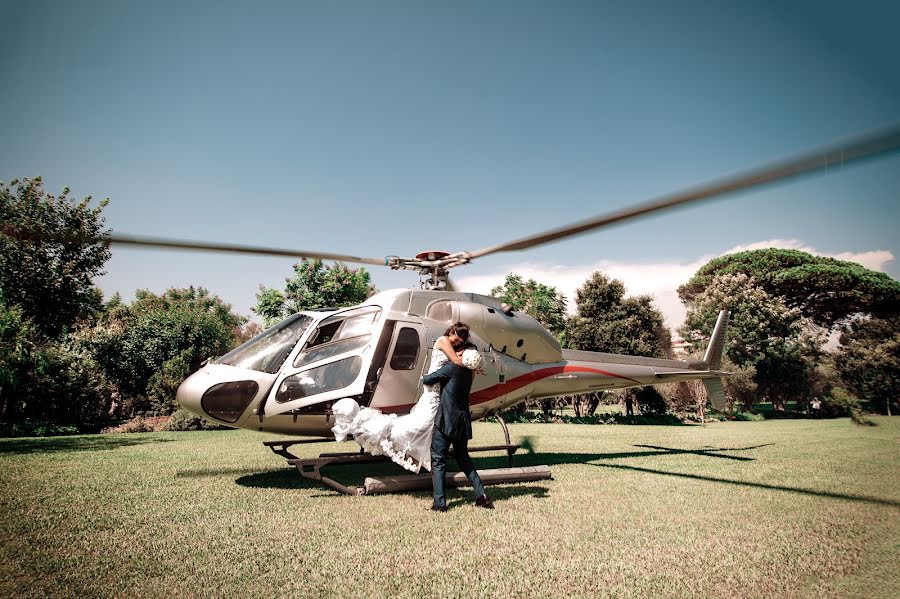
x,y
512,333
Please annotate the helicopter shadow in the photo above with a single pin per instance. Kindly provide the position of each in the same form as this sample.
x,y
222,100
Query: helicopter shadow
x,y
534,458
279,478
289,478
353,475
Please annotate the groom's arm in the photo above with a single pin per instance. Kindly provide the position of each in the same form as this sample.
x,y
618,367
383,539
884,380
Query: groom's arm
x,y
441,375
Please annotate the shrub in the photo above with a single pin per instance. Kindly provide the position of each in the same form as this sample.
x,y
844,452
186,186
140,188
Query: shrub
x,y
35,429
842,403
182,420
140,424
649,401
748,417
604,418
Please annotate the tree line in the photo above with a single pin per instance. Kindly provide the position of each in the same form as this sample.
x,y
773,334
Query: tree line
x,y
70,359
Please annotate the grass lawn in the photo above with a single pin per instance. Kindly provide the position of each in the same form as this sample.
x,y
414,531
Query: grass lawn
x,y
800,508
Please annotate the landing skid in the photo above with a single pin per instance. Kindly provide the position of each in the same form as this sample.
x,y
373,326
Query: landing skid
x,y
311,468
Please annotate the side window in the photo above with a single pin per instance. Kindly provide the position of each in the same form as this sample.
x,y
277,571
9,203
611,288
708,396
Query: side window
x,y
406,351
325,333
441,311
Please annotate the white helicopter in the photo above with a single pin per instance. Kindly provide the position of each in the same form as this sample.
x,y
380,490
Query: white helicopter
x,y
286,379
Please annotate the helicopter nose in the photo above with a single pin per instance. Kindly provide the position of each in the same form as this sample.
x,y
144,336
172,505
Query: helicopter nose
x,y
191,391
214,394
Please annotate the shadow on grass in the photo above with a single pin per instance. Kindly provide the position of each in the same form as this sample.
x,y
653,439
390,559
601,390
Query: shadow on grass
x,y
214,472
551,459
282,478
499,493
353,475
80,443
742,483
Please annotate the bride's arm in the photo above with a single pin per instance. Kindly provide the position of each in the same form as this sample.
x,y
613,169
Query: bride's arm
x,y
444,345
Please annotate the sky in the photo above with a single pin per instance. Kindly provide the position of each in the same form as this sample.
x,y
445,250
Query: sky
x,y
387,128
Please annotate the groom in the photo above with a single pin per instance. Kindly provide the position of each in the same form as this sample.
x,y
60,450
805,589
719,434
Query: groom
x,y
453,425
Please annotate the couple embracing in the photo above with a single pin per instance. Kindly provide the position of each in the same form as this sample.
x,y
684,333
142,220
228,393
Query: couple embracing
x,y
422,438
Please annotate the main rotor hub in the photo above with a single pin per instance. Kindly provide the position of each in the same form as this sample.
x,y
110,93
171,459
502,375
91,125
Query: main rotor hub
x,y
432,266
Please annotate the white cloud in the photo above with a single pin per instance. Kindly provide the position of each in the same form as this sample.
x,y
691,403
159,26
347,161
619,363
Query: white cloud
x,y
875,260
658,279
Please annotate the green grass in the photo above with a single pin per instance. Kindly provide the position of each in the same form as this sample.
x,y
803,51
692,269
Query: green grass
x,y
737,509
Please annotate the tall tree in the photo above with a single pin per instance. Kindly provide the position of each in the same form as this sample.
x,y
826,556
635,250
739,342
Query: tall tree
x,y
607,321
778,342
825,290
314,285
542,302
46,267
869,360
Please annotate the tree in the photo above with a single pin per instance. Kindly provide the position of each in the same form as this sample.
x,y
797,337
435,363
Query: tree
x,y
270,305
607,321
869,360
19,351
314,285
825,290
46,264
542,302
148,347
778,342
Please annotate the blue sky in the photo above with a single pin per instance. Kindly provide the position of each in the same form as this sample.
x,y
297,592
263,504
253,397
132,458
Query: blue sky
x,y
376,128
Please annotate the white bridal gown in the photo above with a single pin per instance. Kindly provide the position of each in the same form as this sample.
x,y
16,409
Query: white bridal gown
x,y
405,439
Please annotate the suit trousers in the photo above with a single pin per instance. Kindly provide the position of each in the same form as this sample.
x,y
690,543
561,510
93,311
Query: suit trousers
x,y
440,445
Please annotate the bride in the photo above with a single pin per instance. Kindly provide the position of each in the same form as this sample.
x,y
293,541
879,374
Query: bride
x,y
406,439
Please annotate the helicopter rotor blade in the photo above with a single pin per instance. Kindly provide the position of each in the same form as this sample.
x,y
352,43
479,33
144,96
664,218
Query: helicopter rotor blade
x,y
202,246
178,244
869,146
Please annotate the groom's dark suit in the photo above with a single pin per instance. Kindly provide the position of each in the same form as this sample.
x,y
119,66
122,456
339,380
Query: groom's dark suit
x,y
452,424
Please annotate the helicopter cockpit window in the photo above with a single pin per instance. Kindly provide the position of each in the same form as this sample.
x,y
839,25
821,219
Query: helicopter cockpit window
x,y
406,351
320,352
268,350
338,334
330,377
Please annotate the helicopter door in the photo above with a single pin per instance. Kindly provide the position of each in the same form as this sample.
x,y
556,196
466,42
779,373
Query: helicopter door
x,y
400,381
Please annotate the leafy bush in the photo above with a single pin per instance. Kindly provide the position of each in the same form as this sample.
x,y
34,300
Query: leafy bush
x,y
140,424
842,403
604,418
35,429
650,402
748,417
714,416
182,420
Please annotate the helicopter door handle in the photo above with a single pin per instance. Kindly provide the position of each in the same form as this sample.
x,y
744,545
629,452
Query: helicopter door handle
x,y
566,376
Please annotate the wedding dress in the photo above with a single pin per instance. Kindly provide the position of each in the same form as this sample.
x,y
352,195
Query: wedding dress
x,y
405,439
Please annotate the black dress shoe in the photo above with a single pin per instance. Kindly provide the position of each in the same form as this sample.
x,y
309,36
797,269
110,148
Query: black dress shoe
x,y
484,501
438,508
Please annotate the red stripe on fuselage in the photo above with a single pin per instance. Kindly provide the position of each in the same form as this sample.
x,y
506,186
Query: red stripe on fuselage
x,y
495,391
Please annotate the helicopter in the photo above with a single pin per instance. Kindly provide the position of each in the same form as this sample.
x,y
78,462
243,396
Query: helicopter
x,y
286,379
